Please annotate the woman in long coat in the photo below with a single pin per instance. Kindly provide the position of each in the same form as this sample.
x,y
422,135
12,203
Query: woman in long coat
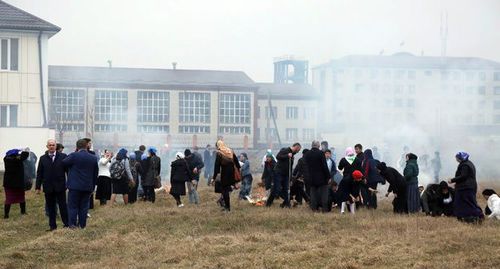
x,y
179,175
225,164
397,185
465,206
13,180
151,169
411,176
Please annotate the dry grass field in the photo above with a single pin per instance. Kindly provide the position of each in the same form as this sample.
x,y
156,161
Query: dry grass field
x,y
163,236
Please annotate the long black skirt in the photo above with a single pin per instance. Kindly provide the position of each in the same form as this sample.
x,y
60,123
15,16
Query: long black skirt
x,y
465,205
103,191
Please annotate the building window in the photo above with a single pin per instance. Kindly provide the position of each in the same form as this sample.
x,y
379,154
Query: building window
x,y
497,91
496,105
257,134
110,128
70,127
387,74
358,73
411,103
481,90
399,74
373,73
153,107
8,115
292,113
309,113
234,130
234,108
411,74
411,89
188,129
496,76
428,73
308,134
398,89
469,75
398,102
497,119
9,54
358,88
445,75
292,134
258,112
162,129
456,75
194,107
271,133
66,105
482,76
111,106
274,111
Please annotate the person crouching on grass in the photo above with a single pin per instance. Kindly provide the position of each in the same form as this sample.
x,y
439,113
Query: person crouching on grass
x,y
179,175
493,203
350,191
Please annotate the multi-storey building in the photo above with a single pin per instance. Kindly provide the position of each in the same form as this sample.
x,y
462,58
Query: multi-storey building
x,y
402,96
23,79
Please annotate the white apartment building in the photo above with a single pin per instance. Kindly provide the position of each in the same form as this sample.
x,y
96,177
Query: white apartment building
x,y
23,79
367,98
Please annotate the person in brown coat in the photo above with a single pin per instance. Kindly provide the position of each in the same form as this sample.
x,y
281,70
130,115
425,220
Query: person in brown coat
x,y
225,164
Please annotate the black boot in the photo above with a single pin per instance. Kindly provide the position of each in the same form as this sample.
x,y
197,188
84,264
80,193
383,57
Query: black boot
x,y
6,211
270,200
23,208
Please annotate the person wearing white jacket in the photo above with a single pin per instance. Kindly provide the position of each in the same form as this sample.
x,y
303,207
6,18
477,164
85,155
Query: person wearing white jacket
x,y
493,203
103,192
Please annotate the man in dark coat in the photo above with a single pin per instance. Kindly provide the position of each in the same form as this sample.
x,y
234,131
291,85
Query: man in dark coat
x,y
82,177
282,176
358,148
195,163
300,179
319,176
52,175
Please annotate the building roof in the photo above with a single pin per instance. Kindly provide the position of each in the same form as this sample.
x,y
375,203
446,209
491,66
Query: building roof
x,y
287,91
13,18
408,60
83,76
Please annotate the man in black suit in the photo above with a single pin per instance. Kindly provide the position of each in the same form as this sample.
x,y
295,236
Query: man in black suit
x,y
319,177
52,175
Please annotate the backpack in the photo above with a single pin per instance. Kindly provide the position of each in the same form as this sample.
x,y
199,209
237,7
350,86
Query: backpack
x,y
117,169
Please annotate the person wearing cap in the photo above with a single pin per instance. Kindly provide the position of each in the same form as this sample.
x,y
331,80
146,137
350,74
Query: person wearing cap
x,y
13,180
151,169
269,152
179,175
465,206
349,191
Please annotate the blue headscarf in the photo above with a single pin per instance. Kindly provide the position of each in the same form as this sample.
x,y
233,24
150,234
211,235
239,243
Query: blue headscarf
x,y
144,156
132,156
152,150
462,156
122,154
12,152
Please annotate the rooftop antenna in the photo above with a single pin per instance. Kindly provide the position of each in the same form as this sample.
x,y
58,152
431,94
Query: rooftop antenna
x,y
444,32
174,65
110,63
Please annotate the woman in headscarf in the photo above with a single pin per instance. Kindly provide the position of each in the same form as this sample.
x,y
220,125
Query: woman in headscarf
x,y
225,163
411,176
152,169
372,179
349,163
13,180
349,191
465,206
179,175
121,185
397,185
136,170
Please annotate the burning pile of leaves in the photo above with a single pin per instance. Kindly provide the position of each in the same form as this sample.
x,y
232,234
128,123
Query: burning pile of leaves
x,y
259,196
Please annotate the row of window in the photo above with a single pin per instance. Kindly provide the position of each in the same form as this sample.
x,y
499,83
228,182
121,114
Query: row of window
x,y
411,74
292,112
152,107
8,115
411,89
291,134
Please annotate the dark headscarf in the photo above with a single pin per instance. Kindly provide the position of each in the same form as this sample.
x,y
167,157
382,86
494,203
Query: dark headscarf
x,y
382,166
122,154
368,154
12,152
462,156
412,156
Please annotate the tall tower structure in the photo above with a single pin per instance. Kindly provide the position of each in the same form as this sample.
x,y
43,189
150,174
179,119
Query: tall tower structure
x,y
290,70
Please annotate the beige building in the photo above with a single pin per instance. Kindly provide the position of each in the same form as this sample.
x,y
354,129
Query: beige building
x,y
127,107
23,79
295,108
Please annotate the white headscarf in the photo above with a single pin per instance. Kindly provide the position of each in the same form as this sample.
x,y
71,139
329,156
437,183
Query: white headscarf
x,y
179,155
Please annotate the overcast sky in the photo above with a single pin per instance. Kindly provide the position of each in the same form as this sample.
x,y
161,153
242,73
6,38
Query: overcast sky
x,y
246,35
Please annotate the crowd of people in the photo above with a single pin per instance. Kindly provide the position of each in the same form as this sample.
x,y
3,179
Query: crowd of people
x,y
69,181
